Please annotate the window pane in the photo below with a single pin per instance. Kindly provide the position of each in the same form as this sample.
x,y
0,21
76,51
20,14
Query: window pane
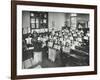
x,y
45,16
44,21
32,20
37,20
33,25
32,14
37,25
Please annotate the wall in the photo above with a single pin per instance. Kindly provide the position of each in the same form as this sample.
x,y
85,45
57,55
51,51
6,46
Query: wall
x,y
68,19
56,20
5,40
84,17
25,19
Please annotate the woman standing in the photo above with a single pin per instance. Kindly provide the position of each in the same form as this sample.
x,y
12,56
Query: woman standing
x,y
37,53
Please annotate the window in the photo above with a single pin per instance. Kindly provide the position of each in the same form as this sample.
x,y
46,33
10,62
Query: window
x,y
38,20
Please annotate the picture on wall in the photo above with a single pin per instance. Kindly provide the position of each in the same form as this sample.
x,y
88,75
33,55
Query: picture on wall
x,y
53,39
60,40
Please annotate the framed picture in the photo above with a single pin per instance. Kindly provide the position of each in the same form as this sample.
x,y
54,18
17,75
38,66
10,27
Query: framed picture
x,y
72,26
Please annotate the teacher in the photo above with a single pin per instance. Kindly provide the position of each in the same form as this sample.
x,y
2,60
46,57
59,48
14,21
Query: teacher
x,y
37,53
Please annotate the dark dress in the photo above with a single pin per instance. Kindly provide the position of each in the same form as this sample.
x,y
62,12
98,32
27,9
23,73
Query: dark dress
x,y
37,45
37,52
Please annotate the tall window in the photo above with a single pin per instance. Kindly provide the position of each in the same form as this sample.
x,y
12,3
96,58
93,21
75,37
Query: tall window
x,y
38,20
73,18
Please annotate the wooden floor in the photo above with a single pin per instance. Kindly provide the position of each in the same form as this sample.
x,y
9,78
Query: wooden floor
x,y
60,61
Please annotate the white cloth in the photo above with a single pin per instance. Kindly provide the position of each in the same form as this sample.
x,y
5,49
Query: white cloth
x,y
27,63
50,44
28,40
56,46
52,54
64,42
37,58
66,49
85,37
38,66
